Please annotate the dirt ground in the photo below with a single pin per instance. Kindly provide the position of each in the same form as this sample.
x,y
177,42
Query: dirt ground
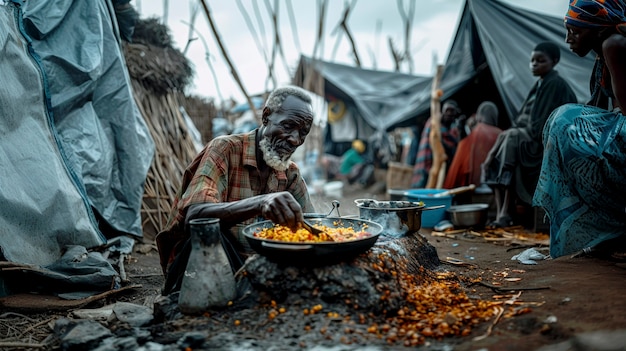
x,y
573,295
567,296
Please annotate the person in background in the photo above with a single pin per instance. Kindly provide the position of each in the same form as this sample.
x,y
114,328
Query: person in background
x,y
450,136
352,160
471,152
242,178
582,185
512,166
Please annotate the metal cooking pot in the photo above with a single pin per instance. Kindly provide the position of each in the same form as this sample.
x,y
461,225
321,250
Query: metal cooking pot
x,y
318,253
470,215
397,217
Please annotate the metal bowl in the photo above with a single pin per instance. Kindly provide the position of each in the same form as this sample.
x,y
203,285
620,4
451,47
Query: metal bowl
x,y
470,215
398,218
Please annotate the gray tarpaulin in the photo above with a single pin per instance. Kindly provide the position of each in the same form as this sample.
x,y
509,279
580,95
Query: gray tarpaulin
x,y
492,46
488,60
74,149
43,207
381,99
101,128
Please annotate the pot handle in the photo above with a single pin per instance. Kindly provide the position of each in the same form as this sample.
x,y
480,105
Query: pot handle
x,y
286,247
433,207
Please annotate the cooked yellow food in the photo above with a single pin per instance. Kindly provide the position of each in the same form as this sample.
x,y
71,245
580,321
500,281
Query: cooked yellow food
x,y
282,233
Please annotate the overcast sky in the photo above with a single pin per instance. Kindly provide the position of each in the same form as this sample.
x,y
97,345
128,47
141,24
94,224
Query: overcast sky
x,y
371,22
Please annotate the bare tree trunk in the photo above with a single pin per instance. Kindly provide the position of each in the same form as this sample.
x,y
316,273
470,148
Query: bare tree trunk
x,y
166,10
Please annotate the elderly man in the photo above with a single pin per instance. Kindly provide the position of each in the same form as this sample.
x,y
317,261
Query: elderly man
x,y
240,179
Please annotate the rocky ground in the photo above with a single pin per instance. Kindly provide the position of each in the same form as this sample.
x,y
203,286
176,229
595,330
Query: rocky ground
x,y
560,304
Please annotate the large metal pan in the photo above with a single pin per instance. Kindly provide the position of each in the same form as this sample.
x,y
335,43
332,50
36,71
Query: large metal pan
x,y
318,253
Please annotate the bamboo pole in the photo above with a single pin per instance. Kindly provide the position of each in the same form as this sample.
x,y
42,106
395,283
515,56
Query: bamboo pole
x,y
434,137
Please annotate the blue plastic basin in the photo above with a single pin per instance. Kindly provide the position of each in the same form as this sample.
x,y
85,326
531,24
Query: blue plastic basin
x,y
430,218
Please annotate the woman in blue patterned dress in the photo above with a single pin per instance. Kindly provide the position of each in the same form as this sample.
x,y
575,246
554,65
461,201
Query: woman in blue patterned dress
x,y
582,185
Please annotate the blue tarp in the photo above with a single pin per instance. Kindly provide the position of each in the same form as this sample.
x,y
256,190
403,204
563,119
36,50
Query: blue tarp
x,y
72,139
92,104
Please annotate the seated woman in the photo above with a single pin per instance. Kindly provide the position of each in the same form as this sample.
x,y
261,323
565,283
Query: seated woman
x,y
582,185
518,150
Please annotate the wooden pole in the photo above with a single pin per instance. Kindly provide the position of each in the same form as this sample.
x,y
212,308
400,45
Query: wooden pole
x,y
233,70
434,137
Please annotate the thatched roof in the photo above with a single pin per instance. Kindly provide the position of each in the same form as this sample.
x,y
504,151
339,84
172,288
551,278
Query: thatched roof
x,y
154,62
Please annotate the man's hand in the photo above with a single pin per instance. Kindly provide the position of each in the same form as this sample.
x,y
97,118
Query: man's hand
x,y
282,208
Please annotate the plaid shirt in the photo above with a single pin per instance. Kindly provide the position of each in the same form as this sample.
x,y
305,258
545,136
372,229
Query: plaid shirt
x,y
224,171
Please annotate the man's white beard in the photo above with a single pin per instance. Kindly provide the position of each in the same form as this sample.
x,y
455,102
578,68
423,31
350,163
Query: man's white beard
x,y
271,157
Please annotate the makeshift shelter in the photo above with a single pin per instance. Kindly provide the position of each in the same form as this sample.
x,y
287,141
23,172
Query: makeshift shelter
x,y
490,54
43,205
488,60
368,102
92,105
77,142
75,147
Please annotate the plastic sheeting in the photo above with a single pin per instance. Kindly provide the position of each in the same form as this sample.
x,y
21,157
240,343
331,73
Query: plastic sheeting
x,y
382,99
43,207
499,37
107,141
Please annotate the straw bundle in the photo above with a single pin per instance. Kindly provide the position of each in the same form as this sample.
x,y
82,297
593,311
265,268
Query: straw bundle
x,y
153,62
